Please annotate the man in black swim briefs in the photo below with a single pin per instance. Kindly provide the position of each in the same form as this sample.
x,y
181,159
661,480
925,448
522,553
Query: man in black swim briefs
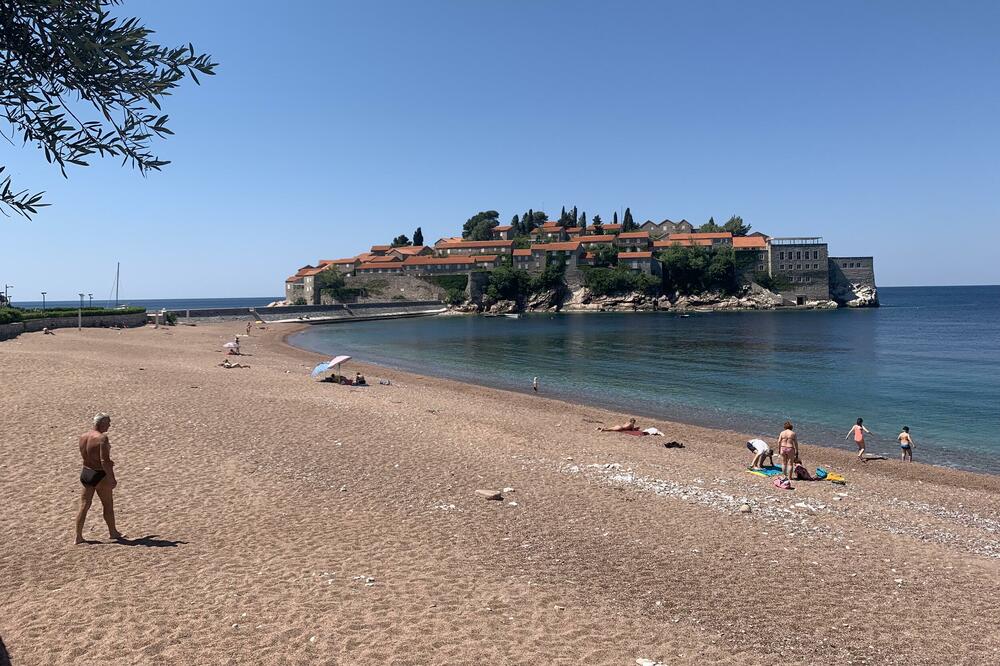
x,y
97,475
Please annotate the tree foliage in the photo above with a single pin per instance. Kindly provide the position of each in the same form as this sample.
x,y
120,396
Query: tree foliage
x,y
77,82
606,255
508,284
710,227
401,241
331,281
695,269
479,227
736,226
418,237
618,280
628,224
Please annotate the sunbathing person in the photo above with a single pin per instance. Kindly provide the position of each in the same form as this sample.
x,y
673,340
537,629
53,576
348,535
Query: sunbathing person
x,y
228,365
625,427
359,379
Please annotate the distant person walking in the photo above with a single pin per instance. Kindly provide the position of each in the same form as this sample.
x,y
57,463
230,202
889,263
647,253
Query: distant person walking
x,y
858,430
248,329
906,445
534,384
97,475
788,448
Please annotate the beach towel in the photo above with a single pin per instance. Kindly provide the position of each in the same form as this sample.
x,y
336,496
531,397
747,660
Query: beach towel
x,y
783,483
836,478
766,472
654,431
637,433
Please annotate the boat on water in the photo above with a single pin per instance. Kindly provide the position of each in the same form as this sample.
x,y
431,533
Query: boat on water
x,y
509,315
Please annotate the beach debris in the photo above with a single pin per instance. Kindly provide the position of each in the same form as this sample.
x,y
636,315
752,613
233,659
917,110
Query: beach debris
x,y
343,489
642,661
560,607
312,639
489,494
508,489
236,626
745,508
511,503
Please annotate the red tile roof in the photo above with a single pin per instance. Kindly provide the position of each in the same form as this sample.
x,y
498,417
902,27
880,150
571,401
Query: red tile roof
x,y
294,278
434,261
349,260
465,244
411,249
555,247
611,227
505,227
484,257
684,242
634,234
749,242
522,253
635,255
385,260
381,248
709,235
549,225
596,239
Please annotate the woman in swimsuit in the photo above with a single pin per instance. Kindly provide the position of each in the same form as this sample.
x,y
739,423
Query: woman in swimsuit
x,y
788,447
859,430
905,445
625,427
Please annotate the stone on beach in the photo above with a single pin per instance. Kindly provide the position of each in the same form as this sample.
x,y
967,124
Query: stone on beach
x,y
490,494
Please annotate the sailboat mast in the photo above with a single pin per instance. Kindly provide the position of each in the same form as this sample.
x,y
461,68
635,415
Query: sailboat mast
x,y
118,269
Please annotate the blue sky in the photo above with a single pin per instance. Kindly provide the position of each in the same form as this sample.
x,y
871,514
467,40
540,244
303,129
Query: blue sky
x,y
332,126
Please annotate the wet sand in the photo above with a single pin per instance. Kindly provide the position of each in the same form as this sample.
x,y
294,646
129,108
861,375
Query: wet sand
x,y
276,520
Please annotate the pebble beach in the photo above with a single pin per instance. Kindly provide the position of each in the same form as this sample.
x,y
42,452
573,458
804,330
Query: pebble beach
x,y
276,520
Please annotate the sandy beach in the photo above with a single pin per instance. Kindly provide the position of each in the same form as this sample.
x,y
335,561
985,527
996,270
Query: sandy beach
x,y
276,520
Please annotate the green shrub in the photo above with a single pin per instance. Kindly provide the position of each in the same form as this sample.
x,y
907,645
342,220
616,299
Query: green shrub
x,y
170,319
9,315
399,297
448,282
692,270
775,283
510,284
551,277
454,296
299,301
27,315
619,280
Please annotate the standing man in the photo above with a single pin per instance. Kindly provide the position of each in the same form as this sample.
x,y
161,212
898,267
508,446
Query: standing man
x,y
534,384
906,445
98,475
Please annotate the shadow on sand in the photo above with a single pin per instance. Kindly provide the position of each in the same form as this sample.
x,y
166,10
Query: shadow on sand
x,y
148,541
4,655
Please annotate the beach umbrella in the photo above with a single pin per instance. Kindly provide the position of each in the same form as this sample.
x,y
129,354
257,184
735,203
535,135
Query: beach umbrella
x,y
230,345
337,360
320,369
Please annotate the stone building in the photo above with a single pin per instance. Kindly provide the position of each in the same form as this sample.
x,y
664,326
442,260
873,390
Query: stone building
x,y
802,264
660,230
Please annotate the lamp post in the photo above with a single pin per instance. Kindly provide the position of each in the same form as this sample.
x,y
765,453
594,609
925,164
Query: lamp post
x,y
6,295
79,315
91,303
43,300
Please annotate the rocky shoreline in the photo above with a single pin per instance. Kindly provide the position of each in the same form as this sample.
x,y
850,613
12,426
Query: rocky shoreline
x,y
751,297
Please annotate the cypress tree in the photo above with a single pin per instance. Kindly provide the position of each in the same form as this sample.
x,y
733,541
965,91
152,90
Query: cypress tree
x,y
583,221
576,218
614,220
628,224
418,237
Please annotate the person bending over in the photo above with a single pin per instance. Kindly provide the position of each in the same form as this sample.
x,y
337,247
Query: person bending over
x,y
761,450
97,475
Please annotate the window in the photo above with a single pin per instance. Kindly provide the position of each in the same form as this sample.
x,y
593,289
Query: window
x,y
798,267
781,267
781,255
798,255
815,254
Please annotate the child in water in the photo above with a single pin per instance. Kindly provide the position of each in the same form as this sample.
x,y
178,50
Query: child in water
x,y
905,445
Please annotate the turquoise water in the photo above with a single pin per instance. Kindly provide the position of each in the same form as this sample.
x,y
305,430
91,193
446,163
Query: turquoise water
x,y
929,358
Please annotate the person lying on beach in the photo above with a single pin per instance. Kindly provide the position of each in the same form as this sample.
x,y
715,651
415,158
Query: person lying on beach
x,y
859,430
97,476
46,331
906,445
761,450
625,427
227,364
788,447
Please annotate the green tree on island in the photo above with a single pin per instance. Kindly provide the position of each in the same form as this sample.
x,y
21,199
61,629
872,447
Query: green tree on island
x,y
736,226
400,241
628,224
597,226
418,237
78,82
614,220
710,227
479,227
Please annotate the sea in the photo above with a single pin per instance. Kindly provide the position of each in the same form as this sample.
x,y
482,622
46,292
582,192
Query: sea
x,y
160,303
929,358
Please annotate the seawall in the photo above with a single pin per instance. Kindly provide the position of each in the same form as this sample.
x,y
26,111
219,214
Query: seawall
x,y
8,331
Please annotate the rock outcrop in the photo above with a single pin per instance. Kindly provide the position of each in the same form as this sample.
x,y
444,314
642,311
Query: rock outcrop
x,y
855,295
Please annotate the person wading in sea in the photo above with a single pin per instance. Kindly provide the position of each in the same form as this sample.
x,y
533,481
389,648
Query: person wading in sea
x,y
859,430
98,475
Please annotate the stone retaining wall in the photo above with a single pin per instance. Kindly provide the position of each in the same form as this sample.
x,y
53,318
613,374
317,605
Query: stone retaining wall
x,y
8,331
